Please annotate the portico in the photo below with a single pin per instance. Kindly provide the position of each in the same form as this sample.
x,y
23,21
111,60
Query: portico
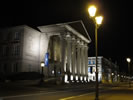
x,y
68,51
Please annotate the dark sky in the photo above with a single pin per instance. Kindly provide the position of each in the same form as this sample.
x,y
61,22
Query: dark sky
x,y
114,35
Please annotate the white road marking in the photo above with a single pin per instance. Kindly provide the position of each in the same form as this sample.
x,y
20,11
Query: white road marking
x,y
76,96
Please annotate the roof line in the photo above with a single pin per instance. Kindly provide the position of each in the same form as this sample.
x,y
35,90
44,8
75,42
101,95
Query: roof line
x,y
69,22
85,30
77,33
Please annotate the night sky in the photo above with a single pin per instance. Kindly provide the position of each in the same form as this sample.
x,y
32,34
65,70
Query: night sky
x,y
114,35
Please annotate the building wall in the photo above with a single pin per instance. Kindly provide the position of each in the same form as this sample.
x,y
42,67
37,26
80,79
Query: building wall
x,y
92,68
11,49
30,55
67,48
107,70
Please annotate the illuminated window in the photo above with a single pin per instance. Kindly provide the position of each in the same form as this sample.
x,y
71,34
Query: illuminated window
x,y
93,62
89,62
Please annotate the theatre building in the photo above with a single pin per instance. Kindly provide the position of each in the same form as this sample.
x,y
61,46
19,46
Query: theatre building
x,y
23,48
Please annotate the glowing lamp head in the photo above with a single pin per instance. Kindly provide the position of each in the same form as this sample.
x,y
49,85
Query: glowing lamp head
x,y
128,60
42,64
99,20
92,11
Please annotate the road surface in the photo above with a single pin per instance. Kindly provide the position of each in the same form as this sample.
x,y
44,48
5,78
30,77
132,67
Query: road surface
x,y
65,92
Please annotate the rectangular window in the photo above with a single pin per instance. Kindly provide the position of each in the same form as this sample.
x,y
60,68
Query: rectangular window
x,y
5,36
15,67
16,50
5,67
16,36
5,51
89,62
93,62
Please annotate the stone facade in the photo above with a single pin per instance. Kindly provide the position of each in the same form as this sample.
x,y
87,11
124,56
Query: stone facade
x,y
19,53
66,44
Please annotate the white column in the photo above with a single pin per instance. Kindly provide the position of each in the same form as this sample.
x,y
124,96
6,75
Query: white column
x,y
73,55
82,58
69,65
86,59
78,57
63,53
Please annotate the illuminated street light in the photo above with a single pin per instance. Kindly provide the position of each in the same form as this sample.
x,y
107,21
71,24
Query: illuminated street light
x,y
129,60
92,11
97,21
42,64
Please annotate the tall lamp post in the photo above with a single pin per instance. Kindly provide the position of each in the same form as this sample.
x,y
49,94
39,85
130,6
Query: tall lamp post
x,y
97,20
42,66
129,60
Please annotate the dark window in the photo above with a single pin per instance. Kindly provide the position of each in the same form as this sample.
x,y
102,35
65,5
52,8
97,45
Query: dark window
x,y
5,50
5,67
5,36
15,67
9,36
16,50
16,36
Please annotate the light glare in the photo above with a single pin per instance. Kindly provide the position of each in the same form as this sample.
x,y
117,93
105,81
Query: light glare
x,y
99,20
92,11
128,60
42,64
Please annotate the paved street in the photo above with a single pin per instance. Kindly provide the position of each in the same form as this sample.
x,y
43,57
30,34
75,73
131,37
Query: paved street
x,y
27,92
64,92
118,93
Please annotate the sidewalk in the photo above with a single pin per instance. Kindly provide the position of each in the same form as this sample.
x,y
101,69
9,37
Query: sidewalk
x,y
117,93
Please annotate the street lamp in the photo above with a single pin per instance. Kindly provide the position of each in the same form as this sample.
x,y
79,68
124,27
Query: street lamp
x,y
97,20
129,60
42,66
92,11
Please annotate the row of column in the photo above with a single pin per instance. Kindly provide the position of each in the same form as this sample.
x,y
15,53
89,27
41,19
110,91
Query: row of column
x,y
76,56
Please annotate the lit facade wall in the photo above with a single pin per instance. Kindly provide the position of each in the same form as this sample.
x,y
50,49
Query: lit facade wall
x,y
22,49
92,68
66,44
107,70
68,52
31,47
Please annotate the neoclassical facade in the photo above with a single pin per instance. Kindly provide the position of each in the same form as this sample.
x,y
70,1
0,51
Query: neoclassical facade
x,y
66,44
